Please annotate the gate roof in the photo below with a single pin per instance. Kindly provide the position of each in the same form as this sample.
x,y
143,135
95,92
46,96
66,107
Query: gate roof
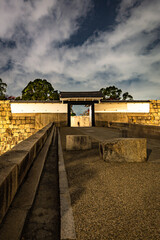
x,y
81,96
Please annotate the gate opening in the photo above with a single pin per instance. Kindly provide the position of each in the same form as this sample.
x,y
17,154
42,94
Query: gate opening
x,y
81,98
81,115
80,123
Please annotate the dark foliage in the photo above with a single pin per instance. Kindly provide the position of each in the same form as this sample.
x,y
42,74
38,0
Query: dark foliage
x,y
39,89
3,87
114,93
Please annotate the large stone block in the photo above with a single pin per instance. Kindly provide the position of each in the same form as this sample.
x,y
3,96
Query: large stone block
x,y
78,142
124,150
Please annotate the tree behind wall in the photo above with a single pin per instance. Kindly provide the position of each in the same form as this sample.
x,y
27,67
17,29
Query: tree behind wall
x,y
114,93
39,89
3,87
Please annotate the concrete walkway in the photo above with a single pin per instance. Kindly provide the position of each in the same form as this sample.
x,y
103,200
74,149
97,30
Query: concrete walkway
x,y
113,201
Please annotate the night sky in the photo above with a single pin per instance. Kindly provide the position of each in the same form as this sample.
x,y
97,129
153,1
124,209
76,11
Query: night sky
x,y
81,45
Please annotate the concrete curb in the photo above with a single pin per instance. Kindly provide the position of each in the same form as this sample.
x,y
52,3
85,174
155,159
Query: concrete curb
x,y
13,223
67,230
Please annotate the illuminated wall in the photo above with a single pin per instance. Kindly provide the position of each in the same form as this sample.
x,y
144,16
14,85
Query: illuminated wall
x,y
17,107
136,107
19,120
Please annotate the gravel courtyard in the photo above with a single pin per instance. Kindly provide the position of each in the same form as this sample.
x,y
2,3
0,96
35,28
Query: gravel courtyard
x,y
113,201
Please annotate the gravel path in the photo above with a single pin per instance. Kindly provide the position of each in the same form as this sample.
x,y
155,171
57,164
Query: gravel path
x,y
112,201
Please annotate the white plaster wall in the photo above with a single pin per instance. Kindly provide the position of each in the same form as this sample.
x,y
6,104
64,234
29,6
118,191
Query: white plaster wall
x,y
122,107
110,107
62,108
38,108
138,107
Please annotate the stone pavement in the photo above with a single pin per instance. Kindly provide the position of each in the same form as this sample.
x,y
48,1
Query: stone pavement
x,y
113,201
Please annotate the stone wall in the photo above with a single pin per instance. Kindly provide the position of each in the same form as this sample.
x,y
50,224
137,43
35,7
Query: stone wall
x,y
16,127
13,129
152,118
42,119
104,119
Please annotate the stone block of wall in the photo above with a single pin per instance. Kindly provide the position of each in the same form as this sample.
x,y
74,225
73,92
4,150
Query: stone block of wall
x,y
124,150
13,128
152,118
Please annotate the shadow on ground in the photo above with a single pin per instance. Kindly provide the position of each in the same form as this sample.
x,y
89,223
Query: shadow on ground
x,y
113,201
79,167
74,167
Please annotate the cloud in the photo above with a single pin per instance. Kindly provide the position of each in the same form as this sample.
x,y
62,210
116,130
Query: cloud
x,y
119,56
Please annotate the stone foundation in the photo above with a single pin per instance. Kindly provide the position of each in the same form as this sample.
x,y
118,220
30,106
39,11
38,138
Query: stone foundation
x,y
152,118
13,129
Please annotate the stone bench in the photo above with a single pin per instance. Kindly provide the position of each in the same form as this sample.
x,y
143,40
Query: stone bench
x,y
124,150
78,142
